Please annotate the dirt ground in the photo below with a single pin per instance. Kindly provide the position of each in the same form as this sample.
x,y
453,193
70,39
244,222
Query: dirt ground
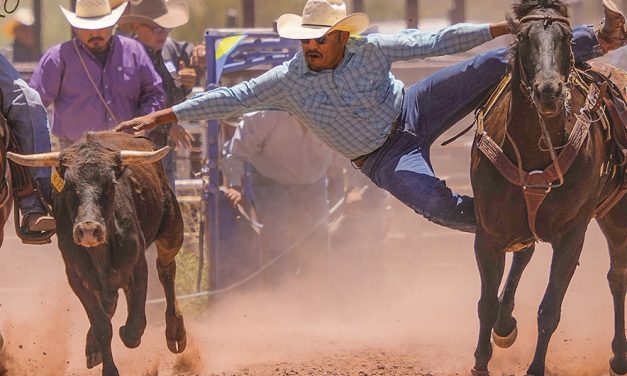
x,y
413,312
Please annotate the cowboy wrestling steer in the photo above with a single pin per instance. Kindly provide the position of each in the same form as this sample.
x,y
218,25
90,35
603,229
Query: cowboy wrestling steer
x,y
112,200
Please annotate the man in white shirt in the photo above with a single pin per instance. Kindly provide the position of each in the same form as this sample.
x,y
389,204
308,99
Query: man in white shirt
x,y
288,166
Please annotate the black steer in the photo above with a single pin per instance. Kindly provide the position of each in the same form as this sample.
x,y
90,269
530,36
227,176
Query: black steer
x,y
112,200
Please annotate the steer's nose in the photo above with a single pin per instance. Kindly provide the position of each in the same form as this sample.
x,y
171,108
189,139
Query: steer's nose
x,y
89,234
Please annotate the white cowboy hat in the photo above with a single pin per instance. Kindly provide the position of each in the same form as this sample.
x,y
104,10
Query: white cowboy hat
x,y
168,14
319,18
93,14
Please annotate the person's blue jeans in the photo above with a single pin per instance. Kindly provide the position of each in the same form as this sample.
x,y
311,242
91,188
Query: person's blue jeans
x,y
430,107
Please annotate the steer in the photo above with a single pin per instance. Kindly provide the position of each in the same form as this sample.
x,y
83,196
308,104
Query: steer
x,y
111,201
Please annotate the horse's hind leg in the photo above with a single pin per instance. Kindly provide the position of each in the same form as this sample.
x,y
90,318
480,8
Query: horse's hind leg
x,y
566,252
491,262
614,227
505,330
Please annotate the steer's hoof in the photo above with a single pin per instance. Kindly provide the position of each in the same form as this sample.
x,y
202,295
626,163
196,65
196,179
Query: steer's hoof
x,y
128,340
475,372
507,341
94,359
177,346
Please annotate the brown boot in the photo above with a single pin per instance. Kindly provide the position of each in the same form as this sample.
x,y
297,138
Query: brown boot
x,y
612,33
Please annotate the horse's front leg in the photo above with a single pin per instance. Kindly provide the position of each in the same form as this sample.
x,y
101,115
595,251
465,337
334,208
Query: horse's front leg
x,y
491,262
566,252
505,330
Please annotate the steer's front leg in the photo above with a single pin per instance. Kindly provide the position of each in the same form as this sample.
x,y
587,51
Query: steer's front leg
x,y
100,325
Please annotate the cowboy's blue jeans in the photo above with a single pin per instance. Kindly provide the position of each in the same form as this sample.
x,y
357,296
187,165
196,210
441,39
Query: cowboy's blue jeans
x,y
430,107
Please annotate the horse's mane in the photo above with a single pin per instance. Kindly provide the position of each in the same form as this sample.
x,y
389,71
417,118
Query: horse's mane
x,y
524,7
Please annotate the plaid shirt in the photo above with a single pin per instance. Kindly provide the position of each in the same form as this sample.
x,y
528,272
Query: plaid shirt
x,y
350,108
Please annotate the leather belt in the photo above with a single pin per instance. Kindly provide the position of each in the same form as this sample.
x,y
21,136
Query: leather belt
x,y
359,161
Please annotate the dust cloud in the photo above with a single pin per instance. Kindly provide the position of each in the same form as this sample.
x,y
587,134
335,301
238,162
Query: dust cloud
x,y
407,308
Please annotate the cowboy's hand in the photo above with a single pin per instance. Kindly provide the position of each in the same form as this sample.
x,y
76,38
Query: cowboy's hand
x,y
181,137
140,123
198,58
187,78
234,195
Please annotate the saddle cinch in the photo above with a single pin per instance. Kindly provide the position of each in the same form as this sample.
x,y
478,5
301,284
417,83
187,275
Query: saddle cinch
x,y
597,81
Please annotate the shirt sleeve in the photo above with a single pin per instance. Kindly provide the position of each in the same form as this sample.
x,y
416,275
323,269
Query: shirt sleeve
x,y
46,78
151,94
261,93
412,43
247,142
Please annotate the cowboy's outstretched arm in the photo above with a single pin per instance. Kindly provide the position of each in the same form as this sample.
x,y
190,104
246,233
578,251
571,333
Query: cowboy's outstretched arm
x,y
262,93
412,43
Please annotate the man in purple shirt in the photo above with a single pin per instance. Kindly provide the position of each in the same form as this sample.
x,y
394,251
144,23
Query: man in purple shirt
x,y
96,79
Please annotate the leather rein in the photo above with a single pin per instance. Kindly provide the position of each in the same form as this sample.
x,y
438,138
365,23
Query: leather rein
x,y
537,184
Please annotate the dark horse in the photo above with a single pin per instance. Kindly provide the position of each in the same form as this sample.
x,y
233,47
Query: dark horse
x,y
552,167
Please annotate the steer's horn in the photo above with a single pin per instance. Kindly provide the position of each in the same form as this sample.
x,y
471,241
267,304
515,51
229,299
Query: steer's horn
x,y
138,157
35,160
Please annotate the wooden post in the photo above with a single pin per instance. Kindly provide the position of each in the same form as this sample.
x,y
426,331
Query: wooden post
x,y
576,11
37,25
248,8
358,6
457,14
412,13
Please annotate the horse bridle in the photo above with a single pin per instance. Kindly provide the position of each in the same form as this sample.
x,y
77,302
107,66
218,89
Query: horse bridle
x,y
527,90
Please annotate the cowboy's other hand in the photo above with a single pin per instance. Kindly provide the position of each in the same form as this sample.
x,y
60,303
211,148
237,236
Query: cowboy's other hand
x,y
187,78
198,58
140,123
234,195
180,136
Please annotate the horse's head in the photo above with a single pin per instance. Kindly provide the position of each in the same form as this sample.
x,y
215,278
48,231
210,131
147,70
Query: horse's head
x,y
542,53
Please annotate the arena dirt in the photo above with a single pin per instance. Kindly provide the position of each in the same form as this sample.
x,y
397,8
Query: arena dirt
x,y
410,312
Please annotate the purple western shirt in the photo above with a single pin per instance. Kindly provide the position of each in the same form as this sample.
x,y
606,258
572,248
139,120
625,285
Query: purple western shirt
x,y
128,83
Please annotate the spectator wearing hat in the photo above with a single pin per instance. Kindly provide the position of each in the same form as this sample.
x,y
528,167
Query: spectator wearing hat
x,y
151,22
96,79
288,167
20,28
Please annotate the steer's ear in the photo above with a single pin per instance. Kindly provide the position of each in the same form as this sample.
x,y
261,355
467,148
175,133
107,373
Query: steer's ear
x,y
35,160
139,157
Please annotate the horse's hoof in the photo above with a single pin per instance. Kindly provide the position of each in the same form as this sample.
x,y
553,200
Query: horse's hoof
x,y
177,346
474,372
94,359
129,342
613,373
507,341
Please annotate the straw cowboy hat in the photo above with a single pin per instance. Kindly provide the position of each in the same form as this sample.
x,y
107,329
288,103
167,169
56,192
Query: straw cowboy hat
x,y
168,14
23,16
319,18
93,14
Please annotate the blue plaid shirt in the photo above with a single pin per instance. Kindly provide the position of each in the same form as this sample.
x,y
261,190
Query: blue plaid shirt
x,y
350,108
